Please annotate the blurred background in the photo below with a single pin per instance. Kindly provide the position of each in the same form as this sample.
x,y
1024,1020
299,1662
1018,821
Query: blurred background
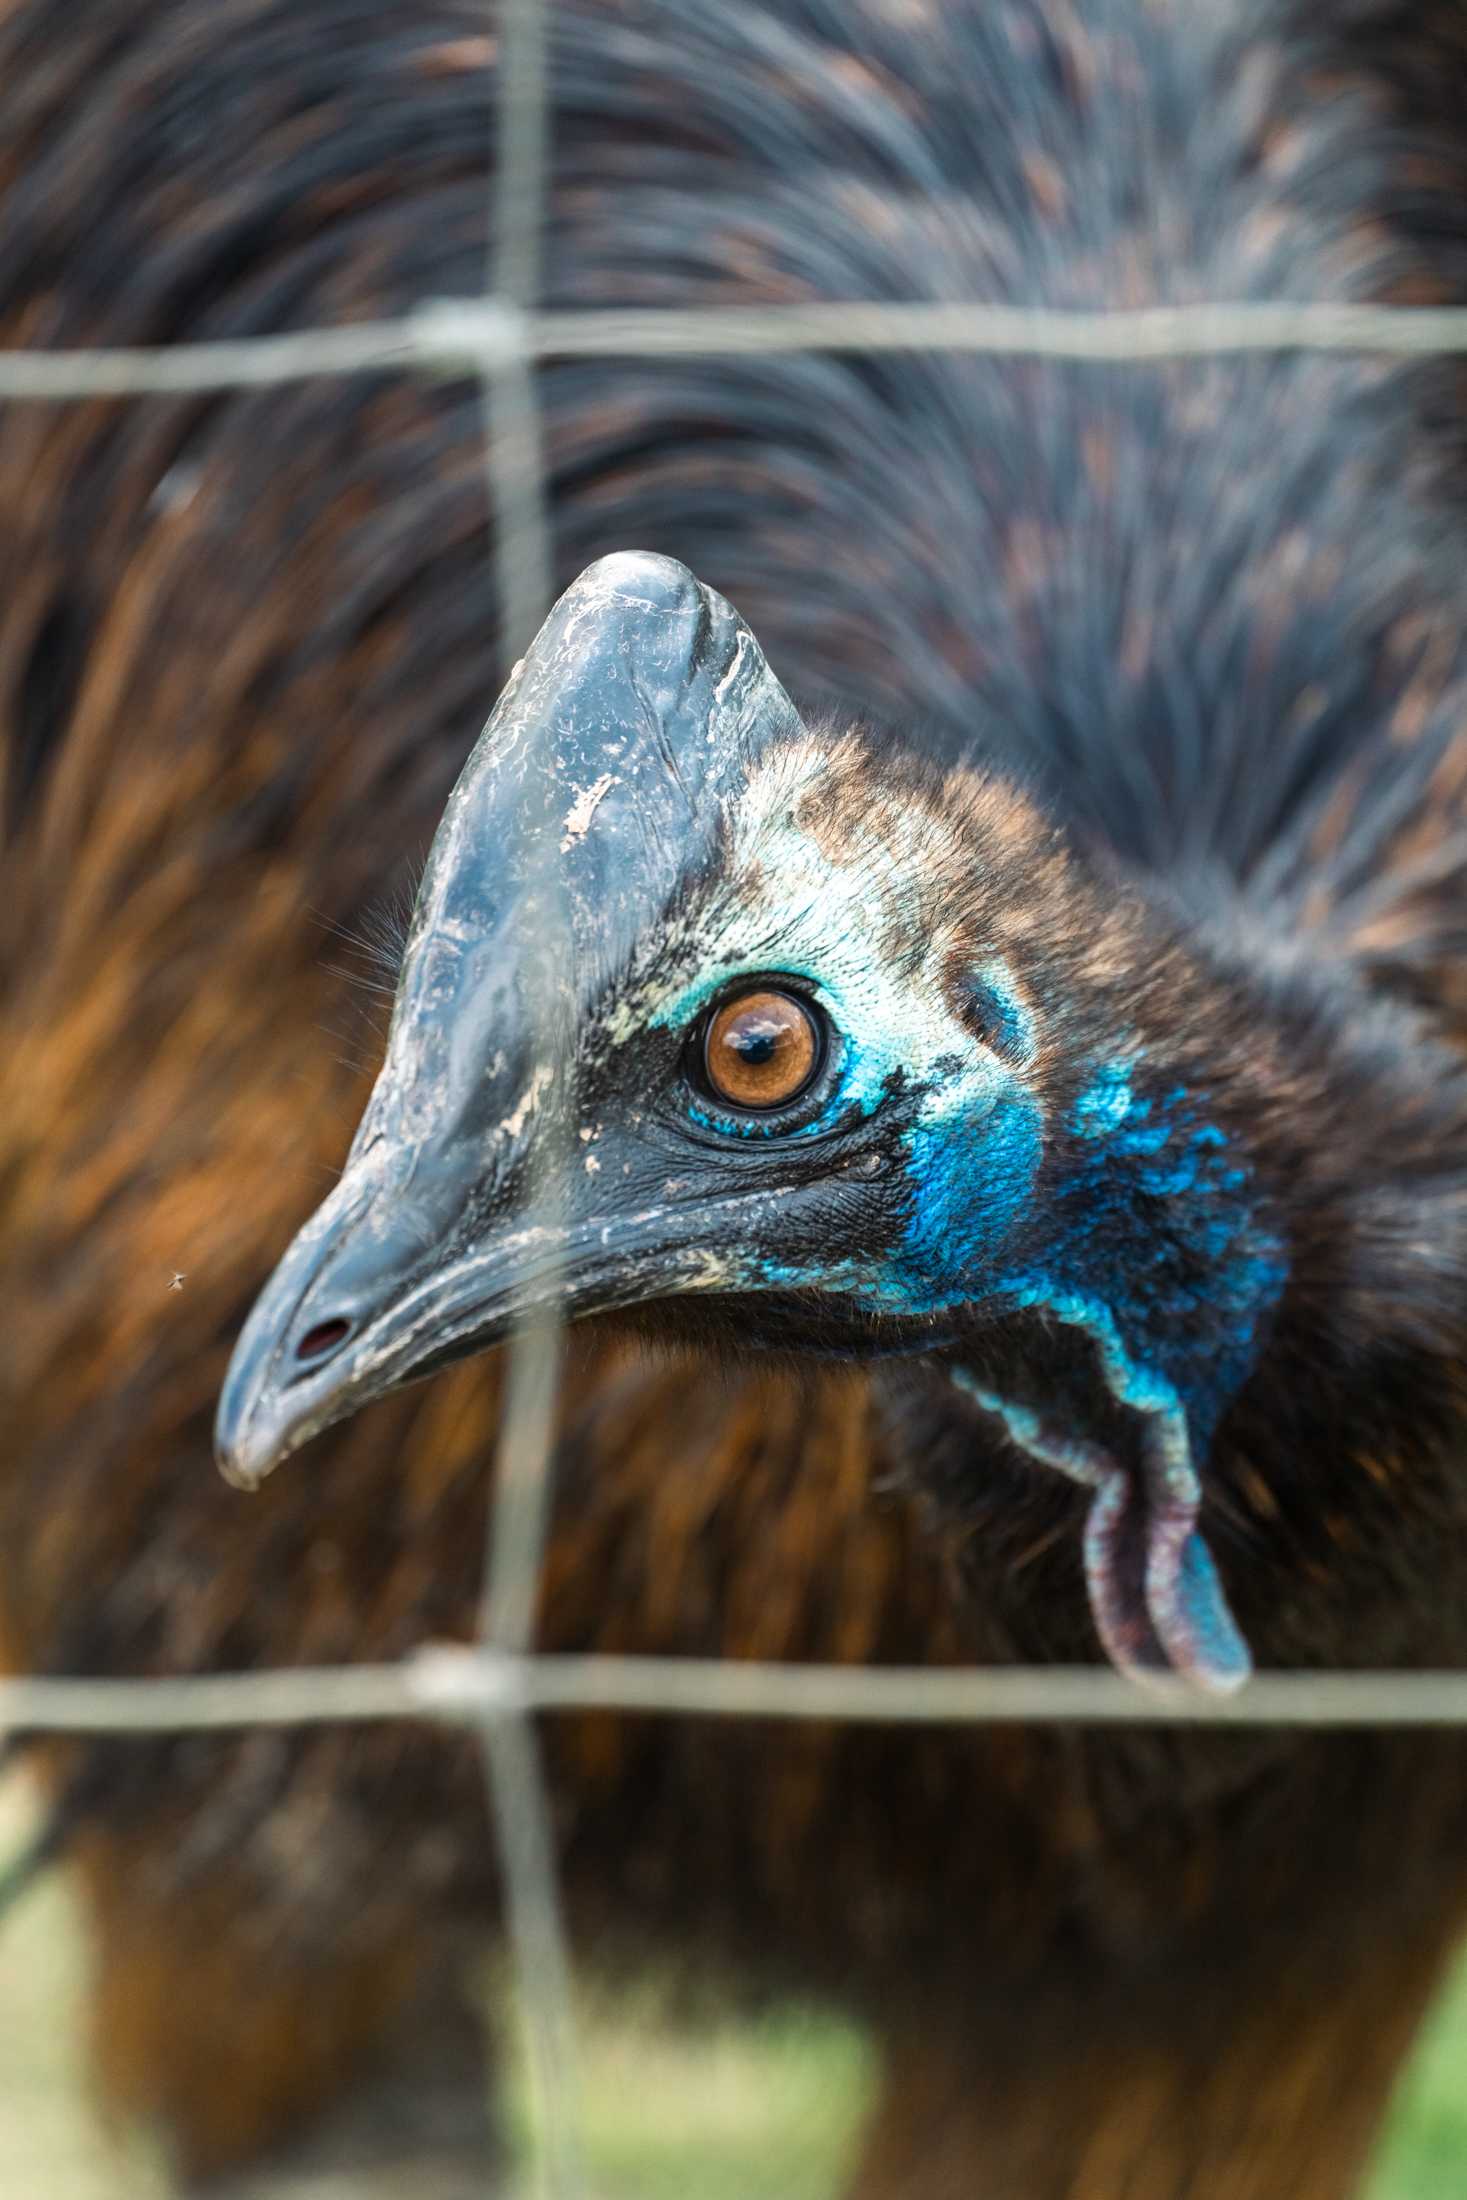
x,y
721,2109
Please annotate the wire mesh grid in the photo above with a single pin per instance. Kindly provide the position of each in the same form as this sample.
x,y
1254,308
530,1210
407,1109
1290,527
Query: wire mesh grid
x,y
500,1683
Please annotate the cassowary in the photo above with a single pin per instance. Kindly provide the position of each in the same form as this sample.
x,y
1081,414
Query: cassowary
x,y
1021,1076
845,1056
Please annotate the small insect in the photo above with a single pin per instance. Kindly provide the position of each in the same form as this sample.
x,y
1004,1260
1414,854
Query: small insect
x,y
178,1280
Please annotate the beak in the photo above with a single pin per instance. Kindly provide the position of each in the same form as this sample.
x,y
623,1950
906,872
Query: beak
x,y
604,769
364,1302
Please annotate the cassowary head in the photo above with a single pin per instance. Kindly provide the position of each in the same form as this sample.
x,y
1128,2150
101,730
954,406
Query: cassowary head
x,y
788,1040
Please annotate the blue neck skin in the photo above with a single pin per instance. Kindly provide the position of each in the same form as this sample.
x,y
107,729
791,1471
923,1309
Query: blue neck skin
x,y
1153,1252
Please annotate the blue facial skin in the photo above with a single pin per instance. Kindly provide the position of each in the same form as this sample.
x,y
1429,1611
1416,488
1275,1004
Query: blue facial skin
x,y
1149,1239
1149,1242
1146,1240
973,1150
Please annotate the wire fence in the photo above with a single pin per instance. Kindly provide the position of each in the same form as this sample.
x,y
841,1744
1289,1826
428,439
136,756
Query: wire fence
x,y
500,1684
492,336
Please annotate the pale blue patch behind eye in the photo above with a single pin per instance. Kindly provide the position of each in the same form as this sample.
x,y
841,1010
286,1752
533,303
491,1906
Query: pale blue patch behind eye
x,y
1006,1019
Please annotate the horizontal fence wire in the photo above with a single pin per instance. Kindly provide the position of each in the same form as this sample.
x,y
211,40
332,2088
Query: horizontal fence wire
x,y
476,337
459,1684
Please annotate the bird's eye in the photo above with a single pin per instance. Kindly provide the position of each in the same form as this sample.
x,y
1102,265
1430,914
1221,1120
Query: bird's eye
x,y
761,1050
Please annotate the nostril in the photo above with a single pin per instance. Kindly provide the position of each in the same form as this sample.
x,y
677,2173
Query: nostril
x,y
324,1338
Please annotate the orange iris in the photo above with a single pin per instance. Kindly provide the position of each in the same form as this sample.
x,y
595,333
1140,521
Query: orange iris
x,y
761,1050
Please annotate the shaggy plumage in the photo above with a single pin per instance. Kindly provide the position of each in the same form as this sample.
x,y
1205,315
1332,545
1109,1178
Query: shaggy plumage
x,y
1200,619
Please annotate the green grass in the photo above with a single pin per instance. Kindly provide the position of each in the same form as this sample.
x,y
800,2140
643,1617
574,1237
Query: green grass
x,y
1423,2155
50,2147
764,2110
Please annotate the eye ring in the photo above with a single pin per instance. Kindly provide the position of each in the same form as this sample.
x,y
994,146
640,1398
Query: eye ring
x,y
761,1050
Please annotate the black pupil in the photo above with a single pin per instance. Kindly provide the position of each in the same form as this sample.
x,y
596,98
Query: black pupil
x,y
759,1044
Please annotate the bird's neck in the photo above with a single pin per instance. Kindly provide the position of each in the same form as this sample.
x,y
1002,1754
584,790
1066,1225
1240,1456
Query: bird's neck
x,y
1226,1269
1159,1245
1142,1306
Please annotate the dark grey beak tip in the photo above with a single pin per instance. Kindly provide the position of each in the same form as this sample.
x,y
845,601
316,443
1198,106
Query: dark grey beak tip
x,y
251,1441
237,1460
235,1473
253,1425
290,1367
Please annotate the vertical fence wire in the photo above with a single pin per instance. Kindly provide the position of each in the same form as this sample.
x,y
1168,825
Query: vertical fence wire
x,y
519,518
518,1517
